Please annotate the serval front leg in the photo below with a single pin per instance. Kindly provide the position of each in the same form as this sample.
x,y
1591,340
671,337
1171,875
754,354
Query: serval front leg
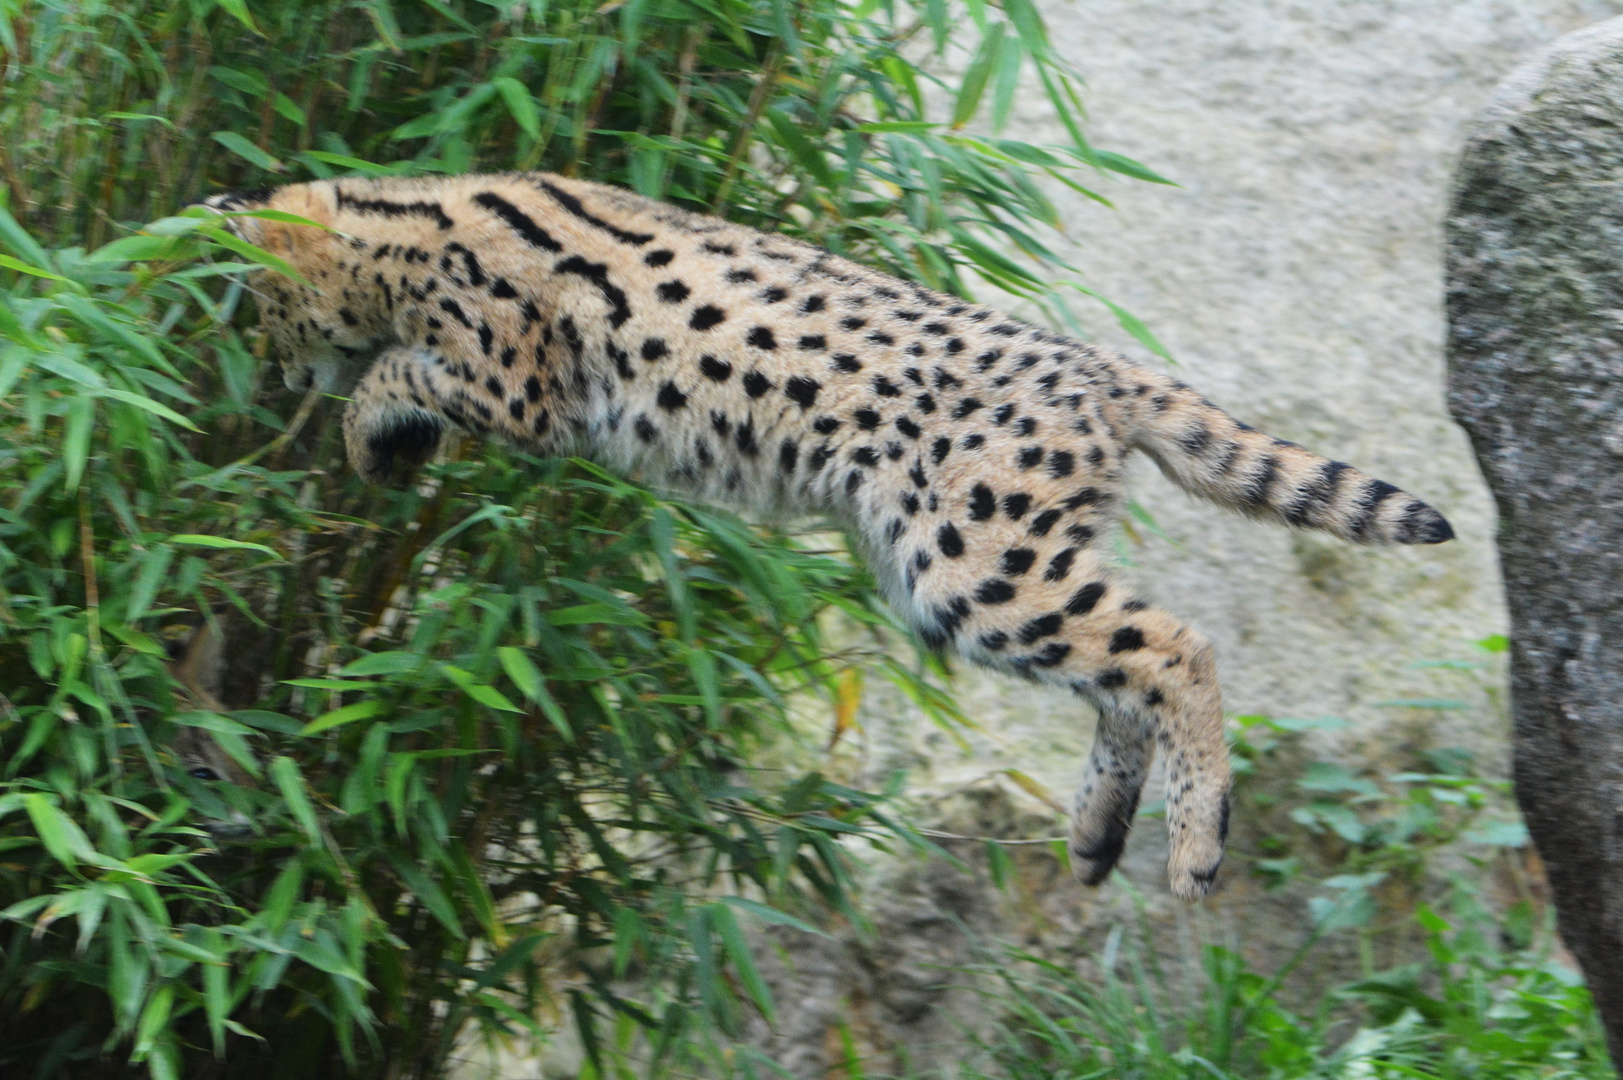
x,y
398,411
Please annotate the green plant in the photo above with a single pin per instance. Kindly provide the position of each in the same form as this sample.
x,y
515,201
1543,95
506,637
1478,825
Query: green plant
x,y
1488,995
1357,833
1473,1008
494,730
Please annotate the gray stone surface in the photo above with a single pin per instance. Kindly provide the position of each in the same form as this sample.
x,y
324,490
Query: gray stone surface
x,y
1535,304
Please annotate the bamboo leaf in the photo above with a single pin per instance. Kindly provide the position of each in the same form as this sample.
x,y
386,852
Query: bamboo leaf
x,y
284,772
60,834
252,253
520,104
738,951
222,543
247,150
360,710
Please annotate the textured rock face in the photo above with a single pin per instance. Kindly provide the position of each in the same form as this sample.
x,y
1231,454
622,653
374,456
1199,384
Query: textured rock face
x,y
1535,306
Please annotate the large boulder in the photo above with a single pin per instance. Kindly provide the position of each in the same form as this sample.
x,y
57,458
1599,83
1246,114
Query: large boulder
x,y
1535,305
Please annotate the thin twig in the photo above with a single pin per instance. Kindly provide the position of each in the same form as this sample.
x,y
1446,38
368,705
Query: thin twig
x,y
306,407
741,141
937,834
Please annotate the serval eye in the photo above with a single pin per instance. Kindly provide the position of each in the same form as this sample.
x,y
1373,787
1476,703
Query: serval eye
x,y
202,772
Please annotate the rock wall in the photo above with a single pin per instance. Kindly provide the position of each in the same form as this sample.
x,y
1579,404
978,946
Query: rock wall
x,y
1535,288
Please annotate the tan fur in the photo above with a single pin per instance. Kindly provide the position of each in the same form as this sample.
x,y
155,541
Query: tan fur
x,y
977,459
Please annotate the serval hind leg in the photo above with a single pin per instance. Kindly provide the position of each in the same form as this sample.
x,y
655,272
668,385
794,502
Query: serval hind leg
x,y
1154,680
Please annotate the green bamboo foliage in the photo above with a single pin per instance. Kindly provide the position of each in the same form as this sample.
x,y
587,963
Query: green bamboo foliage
x,y
482,756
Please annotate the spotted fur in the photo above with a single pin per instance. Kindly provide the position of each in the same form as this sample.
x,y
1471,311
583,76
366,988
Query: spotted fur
x,y
977,459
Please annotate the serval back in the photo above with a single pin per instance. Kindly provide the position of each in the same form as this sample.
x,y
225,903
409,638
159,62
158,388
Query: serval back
x,y
977,459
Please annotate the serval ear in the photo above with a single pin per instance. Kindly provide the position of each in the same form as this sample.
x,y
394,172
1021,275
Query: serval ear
x,y
196,663
228,202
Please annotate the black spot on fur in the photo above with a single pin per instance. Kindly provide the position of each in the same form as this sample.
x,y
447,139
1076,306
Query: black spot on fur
x,y
1052,654
802,391
717,370
1085,599
1060,565
672,292
707,316
1040,627
1017,561
1126,639
949,541
982,503
670,397
994,591
1043,522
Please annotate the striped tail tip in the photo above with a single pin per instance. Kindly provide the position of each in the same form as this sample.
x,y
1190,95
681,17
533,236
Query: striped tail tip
x,y
1426,526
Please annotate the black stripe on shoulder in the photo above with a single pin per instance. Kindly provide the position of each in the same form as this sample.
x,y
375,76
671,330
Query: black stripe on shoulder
x,y
518,221
598,274
573,205
229,201
433,211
